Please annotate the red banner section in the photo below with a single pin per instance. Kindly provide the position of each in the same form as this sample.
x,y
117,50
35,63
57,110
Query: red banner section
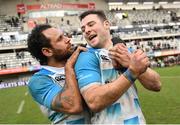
x,y
33,7
61,6
91,6
19,70
21,8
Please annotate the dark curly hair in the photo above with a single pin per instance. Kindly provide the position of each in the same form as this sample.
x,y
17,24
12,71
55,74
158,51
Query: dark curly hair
x,y
99,13
36,41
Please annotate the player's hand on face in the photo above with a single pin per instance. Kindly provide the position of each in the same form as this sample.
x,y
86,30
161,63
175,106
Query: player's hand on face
x,y
119,55
139,62
71,61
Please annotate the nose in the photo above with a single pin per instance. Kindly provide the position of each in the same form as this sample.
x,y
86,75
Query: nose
x,y
87,30
67,39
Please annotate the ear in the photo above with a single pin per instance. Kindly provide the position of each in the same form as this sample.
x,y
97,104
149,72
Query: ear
x,y
106,24
47,51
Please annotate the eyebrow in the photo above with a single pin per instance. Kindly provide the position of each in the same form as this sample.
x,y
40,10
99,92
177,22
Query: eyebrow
x,y
87,24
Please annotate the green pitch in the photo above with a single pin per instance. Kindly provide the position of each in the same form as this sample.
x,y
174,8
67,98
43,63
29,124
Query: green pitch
x,y
17,106
163,107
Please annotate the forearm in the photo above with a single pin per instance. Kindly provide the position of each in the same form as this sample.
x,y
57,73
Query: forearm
x,y
72,86
69,101
150,80
99,97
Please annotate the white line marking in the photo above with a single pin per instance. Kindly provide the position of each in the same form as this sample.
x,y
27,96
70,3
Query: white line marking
x,y
26,93
20,107
170,76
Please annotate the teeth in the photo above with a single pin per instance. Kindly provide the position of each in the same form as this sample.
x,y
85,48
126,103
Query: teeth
x,y
91,37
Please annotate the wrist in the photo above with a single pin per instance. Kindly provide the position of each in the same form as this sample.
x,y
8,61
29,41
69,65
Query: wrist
x,y
68,68
134,71
130,76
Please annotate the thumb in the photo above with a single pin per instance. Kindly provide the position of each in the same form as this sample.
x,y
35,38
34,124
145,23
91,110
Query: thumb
x,y
130,55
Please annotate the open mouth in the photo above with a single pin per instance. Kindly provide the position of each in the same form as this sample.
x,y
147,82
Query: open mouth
x,y
92,37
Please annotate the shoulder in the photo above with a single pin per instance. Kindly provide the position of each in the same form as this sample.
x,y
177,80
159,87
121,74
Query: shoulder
x,y
40,80
90,53
88,57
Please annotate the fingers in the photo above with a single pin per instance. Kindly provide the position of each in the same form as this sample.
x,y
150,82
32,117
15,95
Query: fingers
x,y
146,61
139,62
80,48
122,47
77,51
138,51
120,44
140,54
71,61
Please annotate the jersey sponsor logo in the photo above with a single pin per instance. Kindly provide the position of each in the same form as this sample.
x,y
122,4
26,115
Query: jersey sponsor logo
x,y
104,57
59,78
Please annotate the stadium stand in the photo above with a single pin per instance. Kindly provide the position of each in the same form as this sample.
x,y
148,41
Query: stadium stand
x,y
156,31
153,27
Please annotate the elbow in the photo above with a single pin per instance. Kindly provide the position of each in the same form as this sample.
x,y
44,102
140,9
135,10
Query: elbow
x,y
156,84
95,105
157,87
94,108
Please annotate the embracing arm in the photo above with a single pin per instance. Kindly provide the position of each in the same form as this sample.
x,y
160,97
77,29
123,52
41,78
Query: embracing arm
x,y
69,101
150,80
99,97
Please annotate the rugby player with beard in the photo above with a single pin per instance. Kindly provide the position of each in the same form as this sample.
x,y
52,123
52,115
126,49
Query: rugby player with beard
x,y
54,87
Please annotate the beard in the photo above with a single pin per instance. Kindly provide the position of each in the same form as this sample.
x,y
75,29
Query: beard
x,y
61,57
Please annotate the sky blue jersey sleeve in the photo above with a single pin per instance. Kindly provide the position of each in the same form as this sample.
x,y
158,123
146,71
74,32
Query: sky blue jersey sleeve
x,y
131,50
87,69
43,90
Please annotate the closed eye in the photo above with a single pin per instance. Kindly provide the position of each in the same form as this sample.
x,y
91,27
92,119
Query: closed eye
x,y
90,24
59,38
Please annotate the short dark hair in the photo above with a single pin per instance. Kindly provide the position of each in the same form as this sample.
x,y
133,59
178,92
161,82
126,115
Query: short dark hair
x,y
36,41
99,13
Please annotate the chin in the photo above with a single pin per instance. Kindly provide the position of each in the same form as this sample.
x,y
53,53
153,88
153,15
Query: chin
x,y
93,45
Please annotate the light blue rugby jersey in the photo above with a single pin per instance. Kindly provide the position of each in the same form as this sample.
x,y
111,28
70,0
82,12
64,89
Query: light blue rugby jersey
x,y
44,86
95,67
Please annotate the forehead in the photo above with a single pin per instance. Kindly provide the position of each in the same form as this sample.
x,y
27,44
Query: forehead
x,y
52,32
89,18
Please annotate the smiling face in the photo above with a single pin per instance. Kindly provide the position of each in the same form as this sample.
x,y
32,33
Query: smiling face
x,y
61,48
95,31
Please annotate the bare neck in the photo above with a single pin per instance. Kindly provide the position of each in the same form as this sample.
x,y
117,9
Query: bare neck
x,y
108,44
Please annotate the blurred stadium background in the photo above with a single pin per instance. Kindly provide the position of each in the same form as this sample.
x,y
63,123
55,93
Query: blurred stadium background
x,y
152,25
